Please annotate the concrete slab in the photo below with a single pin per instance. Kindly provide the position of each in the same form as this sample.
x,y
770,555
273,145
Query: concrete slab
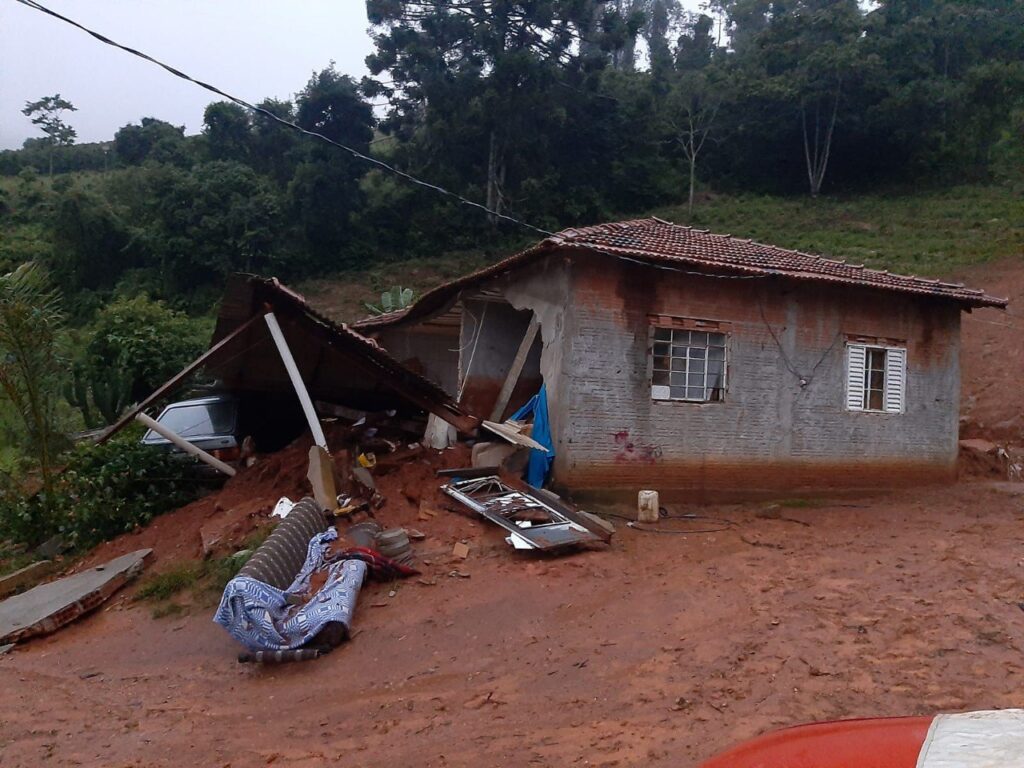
x,y
48,607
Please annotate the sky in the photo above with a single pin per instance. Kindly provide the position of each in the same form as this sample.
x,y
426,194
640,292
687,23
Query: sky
x,y
252,48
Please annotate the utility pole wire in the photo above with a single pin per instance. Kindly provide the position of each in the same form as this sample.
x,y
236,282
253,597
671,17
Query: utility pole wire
x,y
294,126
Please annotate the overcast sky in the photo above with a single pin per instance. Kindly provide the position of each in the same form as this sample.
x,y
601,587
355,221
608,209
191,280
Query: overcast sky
x,y
252,48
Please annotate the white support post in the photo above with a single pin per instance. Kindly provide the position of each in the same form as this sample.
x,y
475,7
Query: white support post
x,y
293,373
185,445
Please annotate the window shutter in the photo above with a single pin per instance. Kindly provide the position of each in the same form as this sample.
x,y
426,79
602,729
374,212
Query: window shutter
x,y
895,379
856,355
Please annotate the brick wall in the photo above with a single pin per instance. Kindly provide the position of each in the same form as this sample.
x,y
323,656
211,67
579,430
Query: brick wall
x,y
771,432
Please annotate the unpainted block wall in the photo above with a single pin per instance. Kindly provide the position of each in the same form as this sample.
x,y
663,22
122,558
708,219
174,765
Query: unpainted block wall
x,y
431,352
771,433
492,331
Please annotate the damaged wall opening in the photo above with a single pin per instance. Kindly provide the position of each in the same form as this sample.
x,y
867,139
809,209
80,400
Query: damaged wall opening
x,y
491,334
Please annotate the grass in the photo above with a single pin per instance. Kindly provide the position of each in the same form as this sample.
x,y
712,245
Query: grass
x,y
929,233
163,586
202,577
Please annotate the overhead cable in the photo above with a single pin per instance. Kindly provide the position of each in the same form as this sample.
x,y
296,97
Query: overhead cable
x,y
294,126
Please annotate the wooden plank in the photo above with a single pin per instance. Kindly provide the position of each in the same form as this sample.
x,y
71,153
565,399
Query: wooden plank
x,y
516,368
174,382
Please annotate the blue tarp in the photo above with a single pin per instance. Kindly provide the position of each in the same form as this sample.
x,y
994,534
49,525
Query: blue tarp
x,y
540,462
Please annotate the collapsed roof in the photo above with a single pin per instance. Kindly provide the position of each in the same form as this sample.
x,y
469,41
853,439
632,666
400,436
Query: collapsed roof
x,y
337,364
658,242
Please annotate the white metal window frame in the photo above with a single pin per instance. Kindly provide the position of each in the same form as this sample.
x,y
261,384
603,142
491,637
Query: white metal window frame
x,y
894,391
662,392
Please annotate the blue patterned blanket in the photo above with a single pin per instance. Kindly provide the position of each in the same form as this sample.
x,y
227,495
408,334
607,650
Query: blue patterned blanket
x,y
260,617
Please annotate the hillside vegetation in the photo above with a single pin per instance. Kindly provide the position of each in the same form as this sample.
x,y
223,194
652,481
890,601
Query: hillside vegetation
x,y
927,233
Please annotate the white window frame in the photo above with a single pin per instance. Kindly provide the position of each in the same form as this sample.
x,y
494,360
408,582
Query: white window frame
x,y
894,387
662,392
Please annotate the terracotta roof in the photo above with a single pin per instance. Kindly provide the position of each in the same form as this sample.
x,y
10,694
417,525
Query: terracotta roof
x,y
655,241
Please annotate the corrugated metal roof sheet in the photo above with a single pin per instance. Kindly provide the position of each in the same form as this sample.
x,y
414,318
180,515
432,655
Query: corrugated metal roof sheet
x,y
655,241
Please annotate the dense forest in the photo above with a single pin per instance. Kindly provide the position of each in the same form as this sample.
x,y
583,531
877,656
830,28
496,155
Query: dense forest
x,y
555,112
547,112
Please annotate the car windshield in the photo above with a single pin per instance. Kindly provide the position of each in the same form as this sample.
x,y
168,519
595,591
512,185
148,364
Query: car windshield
x,y
200,419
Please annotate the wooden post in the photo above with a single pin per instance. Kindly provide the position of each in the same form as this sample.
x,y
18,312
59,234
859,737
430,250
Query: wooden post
x,y
517,368
185,445
293,373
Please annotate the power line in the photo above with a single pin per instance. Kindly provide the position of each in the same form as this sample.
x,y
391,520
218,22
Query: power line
x,y
270,115
354,152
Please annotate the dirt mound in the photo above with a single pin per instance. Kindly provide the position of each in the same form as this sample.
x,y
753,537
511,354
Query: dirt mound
x,y
992,356
982,459
221,521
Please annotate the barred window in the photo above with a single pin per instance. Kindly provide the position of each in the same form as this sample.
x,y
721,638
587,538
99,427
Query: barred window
x,y
688,365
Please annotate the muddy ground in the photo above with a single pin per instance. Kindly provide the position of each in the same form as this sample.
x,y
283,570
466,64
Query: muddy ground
x,y
661,649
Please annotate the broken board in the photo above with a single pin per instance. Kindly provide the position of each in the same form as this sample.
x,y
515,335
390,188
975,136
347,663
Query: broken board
x,y
49,607
321,477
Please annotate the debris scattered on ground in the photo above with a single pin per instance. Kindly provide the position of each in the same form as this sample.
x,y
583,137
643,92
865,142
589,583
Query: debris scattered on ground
x,y
283,507
48,607
983,458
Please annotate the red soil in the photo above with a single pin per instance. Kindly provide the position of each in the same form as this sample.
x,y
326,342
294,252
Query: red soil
x,y
992,360
660,649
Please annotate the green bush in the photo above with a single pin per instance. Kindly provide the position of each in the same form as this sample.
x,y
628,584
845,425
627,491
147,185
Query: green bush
x,y
104,491
145,341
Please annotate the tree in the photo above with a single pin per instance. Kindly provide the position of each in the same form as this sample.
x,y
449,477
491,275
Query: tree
x,y
692,106
324,191
152,139
47,114
272,145
226,126
951,80
477,85
31,370
219,218
797,61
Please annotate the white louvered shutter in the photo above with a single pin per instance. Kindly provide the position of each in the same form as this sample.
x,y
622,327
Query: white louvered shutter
x,y
856,355
895,380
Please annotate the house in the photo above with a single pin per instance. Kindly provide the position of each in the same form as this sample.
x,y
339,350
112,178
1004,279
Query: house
x,y
703,364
